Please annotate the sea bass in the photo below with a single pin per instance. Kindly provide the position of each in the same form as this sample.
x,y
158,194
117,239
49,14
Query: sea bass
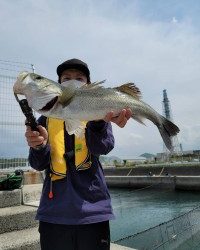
x,y
75,103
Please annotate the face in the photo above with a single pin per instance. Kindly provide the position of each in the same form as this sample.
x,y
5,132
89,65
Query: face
x,y
73,74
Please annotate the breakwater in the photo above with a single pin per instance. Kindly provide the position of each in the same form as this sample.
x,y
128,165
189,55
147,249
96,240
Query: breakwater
x,y
175,169
168,175
175,176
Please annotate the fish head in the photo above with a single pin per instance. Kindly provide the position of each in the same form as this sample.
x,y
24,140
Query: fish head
x,y
40,92
20,84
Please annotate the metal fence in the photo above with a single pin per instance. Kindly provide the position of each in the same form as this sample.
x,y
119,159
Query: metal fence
x,y
13,147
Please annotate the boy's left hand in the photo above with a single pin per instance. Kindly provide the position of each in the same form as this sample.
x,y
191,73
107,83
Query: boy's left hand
x,y
121,119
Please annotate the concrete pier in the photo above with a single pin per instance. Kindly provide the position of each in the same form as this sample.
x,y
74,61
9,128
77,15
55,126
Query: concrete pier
x,y
169,182
140,181
168,175
187,182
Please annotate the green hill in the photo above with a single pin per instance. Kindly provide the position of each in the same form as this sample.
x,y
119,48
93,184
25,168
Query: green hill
x,y
147,155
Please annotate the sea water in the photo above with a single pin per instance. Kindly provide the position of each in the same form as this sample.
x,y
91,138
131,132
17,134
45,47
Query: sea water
x,y
139,210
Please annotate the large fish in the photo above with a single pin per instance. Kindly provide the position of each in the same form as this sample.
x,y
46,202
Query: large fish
x,y
75,103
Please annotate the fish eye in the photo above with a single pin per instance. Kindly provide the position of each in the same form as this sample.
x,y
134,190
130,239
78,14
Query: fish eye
x,y
38,78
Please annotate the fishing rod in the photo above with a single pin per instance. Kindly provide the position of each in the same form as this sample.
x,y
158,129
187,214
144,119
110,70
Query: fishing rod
x,y
28,112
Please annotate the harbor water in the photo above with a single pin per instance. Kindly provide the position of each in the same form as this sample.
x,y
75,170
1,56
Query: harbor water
x,y
139,210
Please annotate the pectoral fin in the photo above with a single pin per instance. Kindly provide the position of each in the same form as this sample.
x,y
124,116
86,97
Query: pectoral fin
x,y
66,97
68,91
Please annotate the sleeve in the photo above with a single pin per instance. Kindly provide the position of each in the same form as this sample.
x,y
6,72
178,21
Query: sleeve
x,y
99,137
39,159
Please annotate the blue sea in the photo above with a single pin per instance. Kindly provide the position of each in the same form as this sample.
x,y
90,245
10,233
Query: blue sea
x,y
139,210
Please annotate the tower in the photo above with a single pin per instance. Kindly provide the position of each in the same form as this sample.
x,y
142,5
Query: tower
x,y
166,106
177,147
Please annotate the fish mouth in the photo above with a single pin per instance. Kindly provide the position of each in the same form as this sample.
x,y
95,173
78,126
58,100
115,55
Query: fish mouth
x,y
24,75
50,104
19,84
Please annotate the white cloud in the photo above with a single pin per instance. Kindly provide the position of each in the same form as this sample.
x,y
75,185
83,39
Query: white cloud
x,y
120,45
174,20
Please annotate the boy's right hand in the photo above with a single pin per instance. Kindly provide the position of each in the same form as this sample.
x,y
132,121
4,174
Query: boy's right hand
x,y
35,138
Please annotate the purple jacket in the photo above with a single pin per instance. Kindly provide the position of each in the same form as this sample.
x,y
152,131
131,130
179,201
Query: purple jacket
x,y
82,197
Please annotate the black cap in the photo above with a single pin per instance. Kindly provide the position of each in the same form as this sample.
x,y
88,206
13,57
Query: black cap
x,y
74,64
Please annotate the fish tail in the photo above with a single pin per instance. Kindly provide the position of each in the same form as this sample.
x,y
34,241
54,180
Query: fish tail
x,y
167,130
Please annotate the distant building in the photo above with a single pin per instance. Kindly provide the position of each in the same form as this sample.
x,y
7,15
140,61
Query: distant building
x,y
187,154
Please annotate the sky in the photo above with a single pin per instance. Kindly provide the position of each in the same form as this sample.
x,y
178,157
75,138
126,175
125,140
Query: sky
x,y
153,43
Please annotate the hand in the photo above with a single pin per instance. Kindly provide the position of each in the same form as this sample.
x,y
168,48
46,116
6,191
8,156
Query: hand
x,y
121,119
35,138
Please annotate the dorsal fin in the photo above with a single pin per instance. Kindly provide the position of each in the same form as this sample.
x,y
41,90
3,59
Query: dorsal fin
x,y
93,85
130,89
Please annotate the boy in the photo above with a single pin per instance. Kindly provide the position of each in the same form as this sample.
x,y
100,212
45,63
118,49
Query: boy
x,y
75,206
